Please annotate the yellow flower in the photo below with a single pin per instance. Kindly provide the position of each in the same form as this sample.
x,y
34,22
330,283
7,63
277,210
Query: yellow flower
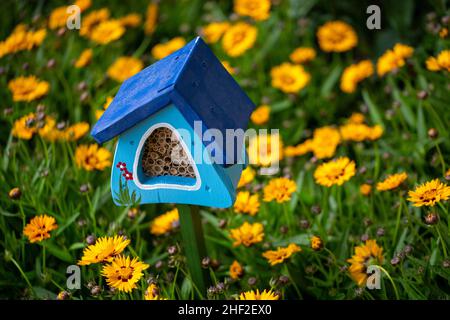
x,y
265,149
324,142
256,295
360,132
247,203
151,17
393,59
123,273
356,118
432,64
124,68
365,255
48,131
162,50
403,51
365,189
442,62
336,36
236,271
446,175
375,132
130,20
58,18
300,149
92,157
24,127
76,131
28,88
289,78
21,39
103,250
247,176
99,113
239,38
228,67
316,243
39,227
107,31
389,62
354,74
279,189
165,223
354,132
392,181
429,193
302,55
247,234
92,19
84,59
256,9
260,115
152,293
280,254
83,4
443,33
335,172
214,31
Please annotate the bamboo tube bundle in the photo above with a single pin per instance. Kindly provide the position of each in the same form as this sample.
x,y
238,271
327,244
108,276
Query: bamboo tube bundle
x,y
163,155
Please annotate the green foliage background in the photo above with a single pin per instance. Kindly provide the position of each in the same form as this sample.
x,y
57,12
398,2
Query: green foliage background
x,y
50,181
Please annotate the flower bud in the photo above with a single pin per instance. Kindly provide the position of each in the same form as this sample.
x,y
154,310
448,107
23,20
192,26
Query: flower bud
x,y
15,193
433,133
431,218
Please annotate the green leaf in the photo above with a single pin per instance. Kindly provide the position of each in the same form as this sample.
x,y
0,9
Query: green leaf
x,y
44,294
421,127
62,254
186,289
280,106
405,108
330,81
269,44
373,109
67,223
76,246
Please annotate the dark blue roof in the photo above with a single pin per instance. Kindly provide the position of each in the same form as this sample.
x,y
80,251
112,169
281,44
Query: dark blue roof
x,y
193,79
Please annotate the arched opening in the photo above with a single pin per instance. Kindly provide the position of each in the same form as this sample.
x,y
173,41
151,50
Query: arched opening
x,y
163,160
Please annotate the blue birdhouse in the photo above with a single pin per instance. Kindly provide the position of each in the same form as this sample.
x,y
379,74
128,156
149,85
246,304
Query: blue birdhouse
x,y
173,121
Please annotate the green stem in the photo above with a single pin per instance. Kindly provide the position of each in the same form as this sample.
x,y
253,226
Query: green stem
x,y
399,214
43,260
194,244
441,158
288,217
142,47
446,216
392,281
297,290
23,274
24,223
441,240
172,294
92,214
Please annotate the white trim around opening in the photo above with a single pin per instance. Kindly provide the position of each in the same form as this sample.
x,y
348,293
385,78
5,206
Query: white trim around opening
x,y
143,186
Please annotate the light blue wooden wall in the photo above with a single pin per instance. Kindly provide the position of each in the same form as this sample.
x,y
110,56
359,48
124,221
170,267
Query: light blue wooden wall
x,y
214,187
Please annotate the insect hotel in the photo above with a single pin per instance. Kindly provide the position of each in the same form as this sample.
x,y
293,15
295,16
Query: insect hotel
x,y
154,162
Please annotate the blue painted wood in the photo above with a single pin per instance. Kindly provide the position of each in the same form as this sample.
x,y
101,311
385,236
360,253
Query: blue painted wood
x,y
217,187
195,81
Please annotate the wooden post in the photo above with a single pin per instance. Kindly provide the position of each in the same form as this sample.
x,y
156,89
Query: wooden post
x,y
194,245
